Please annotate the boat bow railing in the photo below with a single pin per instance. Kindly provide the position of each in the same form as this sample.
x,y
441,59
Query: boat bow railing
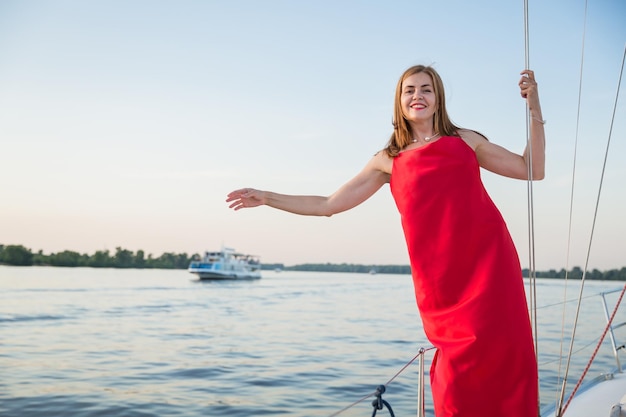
x,y
615,345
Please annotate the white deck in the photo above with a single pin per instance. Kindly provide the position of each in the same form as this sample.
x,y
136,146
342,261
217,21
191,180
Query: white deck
x,y
598,399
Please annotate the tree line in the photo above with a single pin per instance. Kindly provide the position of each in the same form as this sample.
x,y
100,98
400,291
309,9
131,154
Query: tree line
x,y
575,273
123,258
356,268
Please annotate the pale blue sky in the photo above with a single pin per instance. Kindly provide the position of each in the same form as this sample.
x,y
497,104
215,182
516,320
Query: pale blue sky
x,y
126,123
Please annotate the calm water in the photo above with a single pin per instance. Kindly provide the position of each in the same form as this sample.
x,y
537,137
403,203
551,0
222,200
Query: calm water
x,y
108,342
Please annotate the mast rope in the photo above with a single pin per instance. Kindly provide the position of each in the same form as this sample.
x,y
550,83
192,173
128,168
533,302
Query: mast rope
x,y
561,396
593,226
532,274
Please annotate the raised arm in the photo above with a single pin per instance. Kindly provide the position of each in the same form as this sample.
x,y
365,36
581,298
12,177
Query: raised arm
x,y
499,160
351,194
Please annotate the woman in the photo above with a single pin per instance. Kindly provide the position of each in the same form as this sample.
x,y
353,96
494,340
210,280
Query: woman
x,y
465,268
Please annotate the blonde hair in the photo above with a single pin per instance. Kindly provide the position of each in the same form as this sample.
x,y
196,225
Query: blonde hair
x,y
401,136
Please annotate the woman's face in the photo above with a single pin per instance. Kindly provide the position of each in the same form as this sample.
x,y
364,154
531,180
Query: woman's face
x,y
418,97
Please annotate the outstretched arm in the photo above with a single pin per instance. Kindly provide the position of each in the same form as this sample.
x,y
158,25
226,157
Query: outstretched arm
x,y
351,194
501,161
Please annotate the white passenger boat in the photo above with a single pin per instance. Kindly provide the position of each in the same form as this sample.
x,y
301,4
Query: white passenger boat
x,y
226,264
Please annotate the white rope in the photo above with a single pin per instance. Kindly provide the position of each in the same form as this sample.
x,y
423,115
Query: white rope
x,y
532,276
593,224
561,397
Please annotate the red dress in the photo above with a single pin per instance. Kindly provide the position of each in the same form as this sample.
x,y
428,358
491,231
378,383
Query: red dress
x,y
468,284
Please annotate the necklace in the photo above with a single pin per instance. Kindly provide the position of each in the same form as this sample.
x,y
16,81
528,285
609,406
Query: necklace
x,y
427,138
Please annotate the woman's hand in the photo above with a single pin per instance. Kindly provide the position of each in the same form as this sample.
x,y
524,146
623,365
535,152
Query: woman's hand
x,y
528,89
245,198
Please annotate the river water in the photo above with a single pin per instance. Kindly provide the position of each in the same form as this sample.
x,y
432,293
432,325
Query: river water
x,y
112,342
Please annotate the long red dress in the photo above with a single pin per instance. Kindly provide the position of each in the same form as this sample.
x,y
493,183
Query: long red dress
x,y
468,284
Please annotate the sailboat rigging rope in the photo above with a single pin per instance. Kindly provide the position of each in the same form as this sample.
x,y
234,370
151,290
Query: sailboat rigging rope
x,y
595,352
595,216
531,216
377,393
561,396
379,403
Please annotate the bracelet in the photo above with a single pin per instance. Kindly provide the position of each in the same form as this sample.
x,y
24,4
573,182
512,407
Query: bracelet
x,y
542,121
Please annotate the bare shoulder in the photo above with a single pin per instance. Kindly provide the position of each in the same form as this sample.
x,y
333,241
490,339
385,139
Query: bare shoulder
x,y
472,138
381,162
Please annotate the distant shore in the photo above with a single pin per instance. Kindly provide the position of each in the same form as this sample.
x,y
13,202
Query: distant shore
x,y
18,255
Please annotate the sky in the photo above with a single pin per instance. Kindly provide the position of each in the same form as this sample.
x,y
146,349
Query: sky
x,y
126,123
